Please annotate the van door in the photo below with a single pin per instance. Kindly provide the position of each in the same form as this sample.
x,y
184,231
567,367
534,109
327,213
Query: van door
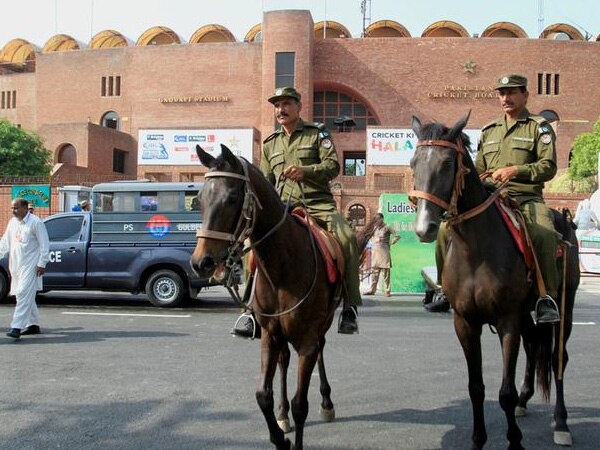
x,y
68,249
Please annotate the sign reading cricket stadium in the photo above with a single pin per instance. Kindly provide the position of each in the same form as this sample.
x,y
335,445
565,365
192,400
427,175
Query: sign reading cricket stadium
x,y
178,147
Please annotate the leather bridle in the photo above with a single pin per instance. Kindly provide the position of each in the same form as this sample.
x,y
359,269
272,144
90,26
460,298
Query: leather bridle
x,y
459,183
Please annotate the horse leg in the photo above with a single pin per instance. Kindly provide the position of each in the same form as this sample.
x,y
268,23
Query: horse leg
x,y
283,419
306,364
270,351
327,409
508,396
469,336
528,386
562,434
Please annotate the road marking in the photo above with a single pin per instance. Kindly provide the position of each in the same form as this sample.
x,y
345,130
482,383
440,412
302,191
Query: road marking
x,y
126,314
584,323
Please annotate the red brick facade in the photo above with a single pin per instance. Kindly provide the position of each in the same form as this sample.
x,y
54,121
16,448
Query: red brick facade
x,y
394,77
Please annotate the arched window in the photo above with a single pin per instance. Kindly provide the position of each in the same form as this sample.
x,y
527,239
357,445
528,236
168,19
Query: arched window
x,y
110,120
67,155
331,105
357,214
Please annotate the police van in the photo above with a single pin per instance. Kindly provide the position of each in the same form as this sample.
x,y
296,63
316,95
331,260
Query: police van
x,y
138,237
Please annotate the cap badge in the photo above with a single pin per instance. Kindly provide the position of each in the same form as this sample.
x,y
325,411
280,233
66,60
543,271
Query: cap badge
x,y
504,80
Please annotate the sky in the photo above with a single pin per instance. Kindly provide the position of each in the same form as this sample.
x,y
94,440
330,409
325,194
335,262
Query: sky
x,y
39,20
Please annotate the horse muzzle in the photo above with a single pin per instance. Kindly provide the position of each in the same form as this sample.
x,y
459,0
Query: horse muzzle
x,y
205,267
426,228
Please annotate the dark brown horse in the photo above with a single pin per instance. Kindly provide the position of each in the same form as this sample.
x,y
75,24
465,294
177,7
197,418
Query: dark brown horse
x,y
486,279
292,299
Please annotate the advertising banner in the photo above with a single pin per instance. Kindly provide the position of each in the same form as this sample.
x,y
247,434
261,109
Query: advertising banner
x,y
409,255
178,147
396,146
37,196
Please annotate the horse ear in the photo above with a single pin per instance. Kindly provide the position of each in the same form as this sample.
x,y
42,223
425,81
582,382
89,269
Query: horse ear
x,y
416,126
206,159
229,156
458,127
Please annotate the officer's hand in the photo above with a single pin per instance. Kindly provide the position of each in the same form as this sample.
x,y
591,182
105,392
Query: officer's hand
x,y
505,174
294,173
40,271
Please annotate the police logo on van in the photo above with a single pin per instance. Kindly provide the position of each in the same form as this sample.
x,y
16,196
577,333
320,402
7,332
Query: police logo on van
x,y
158,226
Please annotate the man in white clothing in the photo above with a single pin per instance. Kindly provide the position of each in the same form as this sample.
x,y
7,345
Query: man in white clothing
x,y
26,242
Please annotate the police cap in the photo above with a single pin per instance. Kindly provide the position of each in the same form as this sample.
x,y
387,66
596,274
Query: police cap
x,y
511,80
284,92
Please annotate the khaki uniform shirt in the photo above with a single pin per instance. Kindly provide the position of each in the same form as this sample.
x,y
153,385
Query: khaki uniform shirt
x,y
529,144
311,147
381,255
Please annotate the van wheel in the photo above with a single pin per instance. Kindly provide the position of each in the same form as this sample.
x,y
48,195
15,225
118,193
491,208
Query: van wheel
x,y
3,287
165,289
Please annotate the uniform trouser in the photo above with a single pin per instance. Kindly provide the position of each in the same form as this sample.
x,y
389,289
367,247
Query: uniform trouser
x,y
543,237
375,271
540,227
347,239
26,312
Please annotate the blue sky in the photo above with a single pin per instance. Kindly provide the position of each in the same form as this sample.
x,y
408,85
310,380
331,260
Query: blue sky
x,y
38,20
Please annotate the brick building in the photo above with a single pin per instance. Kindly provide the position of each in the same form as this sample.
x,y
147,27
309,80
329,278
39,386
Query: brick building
x,y
89,103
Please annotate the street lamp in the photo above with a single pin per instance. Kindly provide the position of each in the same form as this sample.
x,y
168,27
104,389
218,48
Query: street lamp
x,y
344,124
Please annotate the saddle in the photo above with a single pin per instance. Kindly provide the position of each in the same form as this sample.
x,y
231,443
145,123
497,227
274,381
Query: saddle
x,y
326,243
515,223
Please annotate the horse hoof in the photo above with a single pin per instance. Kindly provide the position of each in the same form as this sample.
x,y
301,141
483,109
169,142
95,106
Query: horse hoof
x,y
563,438
328,415
520,411
284,424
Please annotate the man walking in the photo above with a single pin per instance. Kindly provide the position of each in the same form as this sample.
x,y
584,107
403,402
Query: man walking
x,y
26,242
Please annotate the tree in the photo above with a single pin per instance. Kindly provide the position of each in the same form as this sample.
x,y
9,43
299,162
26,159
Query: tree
x,y
584,156
22,153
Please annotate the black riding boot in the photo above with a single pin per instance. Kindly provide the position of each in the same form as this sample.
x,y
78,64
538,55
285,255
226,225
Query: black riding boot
x,y
246,326
439,304
348,321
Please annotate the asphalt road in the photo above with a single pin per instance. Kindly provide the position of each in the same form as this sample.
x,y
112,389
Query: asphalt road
x,y
112,372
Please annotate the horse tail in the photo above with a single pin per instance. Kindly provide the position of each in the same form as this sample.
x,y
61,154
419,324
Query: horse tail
x,y
363,237
543,362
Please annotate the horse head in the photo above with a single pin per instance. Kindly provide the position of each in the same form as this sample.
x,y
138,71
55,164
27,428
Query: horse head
x,y
435,166
222,205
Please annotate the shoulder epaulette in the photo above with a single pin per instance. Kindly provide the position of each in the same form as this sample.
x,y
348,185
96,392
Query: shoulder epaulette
x,y
489,125
271,136
319,125
539,119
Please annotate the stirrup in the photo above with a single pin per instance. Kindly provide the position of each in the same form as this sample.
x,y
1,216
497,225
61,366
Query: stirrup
x,y
354,310
250,316
534,312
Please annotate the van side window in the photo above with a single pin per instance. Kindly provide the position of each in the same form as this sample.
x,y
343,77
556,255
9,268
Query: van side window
x,y
64,229
103,202
124,201
192,202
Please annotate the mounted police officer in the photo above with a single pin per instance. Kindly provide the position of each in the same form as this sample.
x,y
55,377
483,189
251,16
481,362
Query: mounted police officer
x,y
519,148
303,152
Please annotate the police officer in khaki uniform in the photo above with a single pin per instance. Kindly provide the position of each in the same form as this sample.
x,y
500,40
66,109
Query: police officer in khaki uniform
x,y
520,148
303,152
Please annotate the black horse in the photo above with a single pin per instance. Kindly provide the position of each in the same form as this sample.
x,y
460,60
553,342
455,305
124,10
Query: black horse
x,y
486,279
293,300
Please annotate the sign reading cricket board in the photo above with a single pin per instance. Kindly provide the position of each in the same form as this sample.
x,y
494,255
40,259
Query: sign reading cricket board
x,y
178,147
38,196
396,146
409,255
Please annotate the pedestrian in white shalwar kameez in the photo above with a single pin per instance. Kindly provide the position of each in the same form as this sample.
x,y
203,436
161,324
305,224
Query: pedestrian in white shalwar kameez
x,y
26,241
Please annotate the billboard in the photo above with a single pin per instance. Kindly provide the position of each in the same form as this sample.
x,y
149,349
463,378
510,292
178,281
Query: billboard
x,y
178,147
409,255
37,195
396,146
